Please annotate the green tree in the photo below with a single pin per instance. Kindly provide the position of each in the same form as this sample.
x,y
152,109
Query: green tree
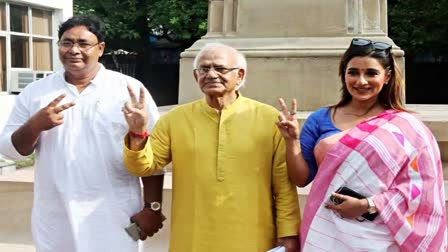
x,y
129,23
419,26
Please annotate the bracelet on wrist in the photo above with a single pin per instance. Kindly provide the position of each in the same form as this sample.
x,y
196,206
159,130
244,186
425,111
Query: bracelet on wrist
x,y
142,135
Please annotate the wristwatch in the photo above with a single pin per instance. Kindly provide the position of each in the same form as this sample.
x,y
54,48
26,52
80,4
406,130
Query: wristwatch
x,y
371,206
155,206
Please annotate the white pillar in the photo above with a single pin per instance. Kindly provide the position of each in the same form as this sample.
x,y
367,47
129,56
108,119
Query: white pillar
x,y
215,18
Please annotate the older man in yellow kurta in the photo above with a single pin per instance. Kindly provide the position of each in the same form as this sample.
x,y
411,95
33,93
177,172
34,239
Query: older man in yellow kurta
x,y
231,191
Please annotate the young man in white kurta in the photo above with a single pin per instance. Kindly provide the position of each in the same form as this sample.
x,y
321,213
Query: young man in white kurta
x,y
83,195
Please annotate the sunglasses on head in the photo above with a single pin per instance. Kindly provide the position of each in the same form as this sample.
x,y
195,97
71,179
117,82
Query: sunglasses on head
x,y
375,45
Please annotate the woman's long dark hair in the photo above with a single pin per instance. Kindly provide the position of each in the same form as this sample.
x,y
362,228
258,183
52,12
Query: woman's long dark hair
x,y
391,95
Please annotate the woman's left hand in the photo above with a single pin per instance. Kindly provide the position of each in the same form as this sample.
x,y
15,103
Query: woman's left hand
x,y
287,122
350,207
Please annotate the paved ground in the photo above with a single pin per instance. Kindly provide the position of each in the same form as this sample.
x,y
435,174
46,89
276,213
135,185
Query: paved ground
x,y
16,196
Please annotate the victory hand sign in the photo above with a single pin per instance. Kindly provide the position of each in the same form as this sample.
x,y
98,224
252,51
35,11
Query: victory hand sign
x,y
135,112
287,122
25,138
50,116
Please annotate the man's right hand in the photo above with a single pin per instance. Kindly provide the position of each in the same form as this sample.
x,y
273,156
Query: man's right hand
x,y
149,221
50,116
135,112
25,138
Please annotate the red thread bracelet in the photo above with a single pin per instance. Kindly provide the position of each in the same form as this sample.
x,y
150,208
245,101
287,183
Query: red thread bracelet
x,y
142,135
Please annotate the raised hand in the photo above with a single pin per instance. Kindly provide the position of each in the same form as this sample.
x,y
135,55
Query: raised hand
x,y
287,122
135,112
50,116
26,137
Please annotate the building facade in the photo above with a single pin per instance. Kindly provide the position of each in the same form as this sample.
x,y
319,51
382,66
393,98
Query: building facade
x,y
28,36
28,50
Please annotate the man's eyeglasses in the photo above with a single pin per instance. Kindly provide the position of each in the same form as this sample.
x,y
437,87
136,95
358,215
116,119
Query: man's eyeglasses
x,y
382,46
83,46
221,70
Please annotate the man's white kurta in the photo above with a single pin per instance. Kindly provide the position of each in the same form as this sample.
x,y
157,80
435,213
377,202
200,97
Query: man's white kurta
x,y
83,195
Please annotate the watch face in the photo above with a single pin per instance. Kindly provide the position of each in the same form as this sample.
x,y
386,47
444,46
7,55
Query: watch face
x,y
155,206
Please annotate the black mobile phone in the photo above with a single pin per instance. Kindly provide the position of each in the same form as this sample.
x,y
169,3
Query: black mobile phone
x,y
349,192
345,191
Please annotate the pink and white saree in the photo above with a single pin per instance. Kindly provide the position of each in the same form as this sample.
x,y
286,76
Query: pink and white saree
x,y
394,158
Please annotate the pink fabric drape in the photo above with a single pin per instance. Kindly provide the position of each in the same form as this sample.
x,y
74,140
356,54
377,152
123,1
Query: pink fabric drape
x,y
394,158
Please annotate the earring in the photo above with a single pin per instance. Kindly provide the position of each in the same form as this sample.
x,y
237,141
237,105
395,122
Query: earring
x,y
385,83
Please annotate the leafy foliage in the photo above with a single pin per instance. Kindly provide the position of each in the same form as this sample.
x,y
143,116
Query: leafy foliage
x,y
419,26
178,19
182,21
416,25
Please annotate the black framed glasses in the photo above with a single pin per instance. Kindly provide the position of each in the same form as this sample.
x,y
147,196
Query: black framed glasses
x,y
82,46
221,70
381,46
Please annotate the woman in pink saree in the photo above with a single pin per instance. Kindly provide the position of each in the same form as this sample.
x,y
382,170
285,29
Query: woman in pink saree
x,y
369,144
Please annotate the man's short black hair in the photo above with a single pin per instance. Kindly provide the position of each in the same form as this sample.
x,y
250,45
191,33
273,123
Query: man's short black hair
x,y
92,23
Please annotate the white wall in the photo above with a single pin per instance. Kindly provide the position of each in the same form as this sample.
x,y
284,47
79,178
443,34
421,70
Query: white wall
x,y
6,104
62,9
65,5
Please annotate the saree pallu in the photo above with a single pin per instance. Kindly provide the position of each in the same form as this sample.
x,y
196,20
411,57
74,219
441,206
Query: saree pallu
x,y
394,158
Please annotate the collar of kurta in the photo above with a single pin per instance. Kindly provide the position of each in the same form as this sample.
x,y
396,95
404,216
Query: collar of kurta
x,y
95,81
99,76
226,110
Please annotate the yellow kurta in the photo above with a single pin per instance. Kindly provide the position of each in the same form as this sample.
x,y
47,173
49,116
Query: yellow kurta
x,y
229,173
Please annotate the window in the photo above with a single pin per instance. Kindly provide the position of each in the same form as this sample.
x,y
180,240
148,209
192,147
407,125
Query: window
x,y
19,18
2,64
38,33
19,51
2,17
26,40
2,48
41,22
42,55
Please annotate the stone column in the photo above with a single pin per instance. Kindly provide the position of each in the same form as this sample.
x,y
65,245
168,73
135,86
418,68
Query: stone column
x,y
229,25
292,46
221,18
293,49
215,18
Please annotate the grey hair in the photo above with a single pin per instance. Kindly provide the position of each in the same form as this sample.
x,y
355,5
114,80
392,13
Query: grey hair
x,y
240,58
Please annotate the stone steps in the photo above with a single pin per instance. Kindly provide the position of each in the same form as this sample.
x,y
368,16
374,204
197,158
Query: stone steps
x,y
7,167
